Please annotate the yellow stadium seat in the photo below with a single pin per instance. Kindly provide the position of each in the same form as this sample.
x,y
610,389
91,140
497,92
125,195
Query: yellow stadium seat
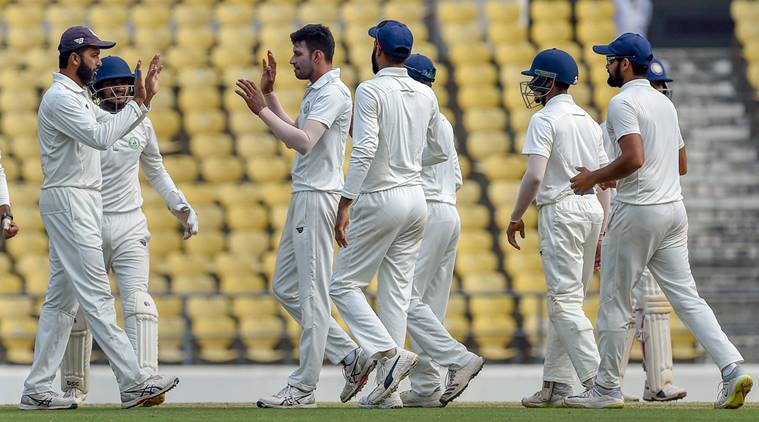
x,y
170,335
230,56
178,264
213,216
150,15
591,32
229,194
503,217
475,240
229,264
191,284
207,307
17,124
473,216
191,15
214,337
252,307
481,145
230,14
594,10
484,283
273,13
250,243
462,33
268,169
469,193
476,74
361,14
261,336
550,11
159,285
108,15
18,335
247,218
528,282
25,147
20,15
28,218
279,216
519,119
197,36
31,170
457,12
546,34
169,306
275,193
503,191
30,243
457,326
179,57
235,284
12,171
162,223
469,53
521,261
182,168
209,121
199,99
476,262
404,11
520,54
10,284
313,12
243,37
491,305
244,123
5,263
485,119
15,306
500,11
209,244
500,33
220,170
211,145
493,335
146,39
165,122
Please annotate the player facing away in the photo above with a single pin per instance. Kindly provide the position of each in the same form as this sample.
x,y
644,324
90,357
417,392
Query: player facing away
x,y
649,227
306,249
651,309
560,137
433,274
125,232
382,211
72,131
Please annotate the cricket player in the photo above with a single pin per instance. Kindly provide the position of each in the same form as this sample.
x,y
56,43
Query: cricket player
x,y
395,125
72,130
125,232
9,227
433,275
648,228
560,137
650,323
306,249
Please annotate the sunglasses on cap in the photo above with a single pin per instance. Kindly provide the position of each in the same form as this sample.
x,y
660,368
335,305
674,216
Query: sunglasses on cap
x,y
612,59
427,73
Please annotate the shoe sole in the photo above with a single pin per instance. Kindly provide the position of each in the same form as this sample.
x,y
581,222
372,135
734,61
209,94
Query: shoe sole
x,y
361,383
445,401
544,405
397,381
742,388
670,398
155,401
260,404
142,400
23,406
615,405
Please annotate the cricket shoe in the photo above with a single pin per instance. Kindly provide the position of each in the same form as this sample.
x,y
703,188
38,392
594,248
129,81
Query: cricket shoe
x,y
734,390
411,398
289,398
630,398
668,393
551,395
76,394
457,380
356,373
46,401
153,387
155,401
390,372
393,401
596,397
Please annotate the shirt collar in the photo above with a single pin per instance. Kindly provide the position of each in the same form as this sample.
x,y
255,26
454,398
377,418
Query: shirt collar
x,y
636,82
561,98
68,82
325,79
393,71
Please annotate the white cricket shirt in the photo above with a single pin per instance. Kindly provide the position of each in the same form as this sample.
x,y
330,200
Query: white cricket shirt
x,y
394,126
120,166
441,181
568,137
70,130
5,198
327,101
641,109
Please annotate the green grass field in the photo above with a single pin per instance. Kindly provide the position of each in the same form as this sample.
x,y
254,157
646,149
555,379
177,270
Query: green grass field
x,y
461,412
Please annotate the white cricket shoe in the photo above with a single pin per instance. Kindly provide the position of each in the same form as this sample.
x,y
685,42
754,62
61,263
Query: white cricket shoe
x,y
74,393
551,395
153,387
390,372
630,398
668,393
596,397
46,401
733,391
457,380
289,398
393,401
411,398
356,374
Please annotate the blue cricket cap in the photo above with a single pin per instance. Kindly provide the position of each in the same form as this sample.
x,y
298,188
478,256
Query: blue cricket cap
x,y
394,38
420,68
628,45
656,72
81,36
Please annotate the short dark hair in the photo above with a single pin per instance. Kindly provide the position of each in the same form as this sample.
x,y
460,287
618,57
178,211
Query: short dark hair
x,y
639,69
561,86
63,58
396,58
316,37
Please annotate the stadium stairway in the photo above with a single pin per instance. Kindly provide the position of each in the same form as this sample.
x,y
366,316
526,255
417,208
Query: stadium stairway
x,y
721,188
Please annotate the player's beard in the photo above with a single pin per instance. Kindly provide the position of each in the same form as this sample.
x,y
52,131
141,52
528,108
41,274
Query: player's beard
x,y
85,74
375,65
615,79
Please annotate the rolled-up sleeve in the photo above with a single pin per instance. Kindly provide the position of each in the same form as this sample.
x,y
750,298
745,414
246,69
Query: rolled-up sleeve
x,y
365,140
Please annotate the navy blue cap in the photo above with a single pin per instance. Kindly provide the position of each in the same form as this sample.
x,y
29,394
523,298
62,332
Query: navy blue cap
x,y
393,37
77,37
628,45
420,68
656,72
555,64
113,67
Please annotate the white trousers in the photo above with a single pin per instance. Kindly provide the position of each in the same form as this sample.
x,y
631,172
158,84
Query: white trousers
x,y
385,231
301,283
569,231
73,219
125,250
655,236
433,275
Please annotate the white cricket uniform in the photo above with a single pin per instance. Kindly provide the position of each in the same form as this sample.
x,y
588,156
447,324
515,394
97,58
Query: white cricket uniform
x,y
433,273
649,227
5,198
306,248
71,130
394,134
569,226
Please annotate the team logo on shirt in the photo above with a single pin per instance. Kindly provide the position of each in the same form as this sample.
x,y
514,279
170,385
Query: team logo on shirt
x,y
133,143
